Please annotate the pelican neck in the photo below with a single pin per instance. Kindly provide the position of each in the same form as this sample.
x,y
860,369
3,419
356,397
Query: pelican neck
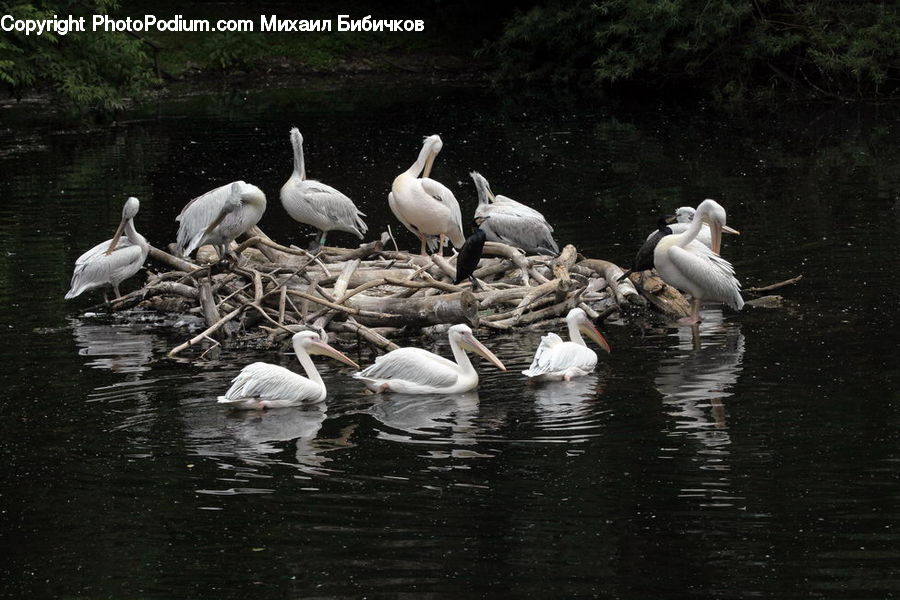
x,y
461,357
307,363
299,165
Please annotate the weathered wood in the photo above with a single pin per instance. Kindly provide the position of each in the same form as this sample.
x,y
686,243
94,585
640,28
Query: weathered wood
x,y
774,286
624,292
662,296
459,307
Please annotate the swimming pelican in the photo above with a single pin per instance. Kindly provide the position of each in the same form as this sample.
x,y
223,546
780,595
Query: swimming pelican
x,y
643,260
512,222
317,204
556,359
691,267
219,216
262,385
425,206
111,262
418,371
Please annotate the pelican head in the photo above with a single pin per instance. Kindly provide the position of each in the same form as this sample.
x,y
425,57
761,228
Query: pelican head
x,y
462,335
129,211
481,219
432,145
295,135
713,214
485,195
310,342
684,214
579,319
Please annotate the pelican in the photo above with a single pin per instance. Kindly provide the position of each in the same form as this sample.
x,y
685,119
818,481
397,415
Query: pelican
x,y
417,371
317,204
643,260
512,222
682,220
111,262
219,216
556,359
691,267
425,206
262,385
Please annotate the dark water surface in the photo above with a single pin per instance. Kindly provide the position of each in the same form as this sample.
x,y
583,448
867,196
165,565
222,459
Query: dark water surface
x,y
763,464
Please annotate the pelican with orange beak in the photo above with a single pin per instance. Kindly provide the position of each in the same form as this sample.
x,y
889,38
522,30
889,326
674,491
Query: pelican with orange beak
x,y
418,371
262,385
690,266
557,360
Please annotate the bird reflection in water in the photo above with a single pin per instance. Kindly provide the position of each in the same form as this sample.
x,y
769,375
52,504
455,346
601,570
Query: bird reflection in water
x,y
121,349
694,379
434,418
568,408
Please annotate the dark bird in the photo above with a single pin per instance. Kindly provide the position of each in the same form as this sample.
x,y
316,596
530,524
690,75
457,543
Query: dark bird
x,y
643,260
469,255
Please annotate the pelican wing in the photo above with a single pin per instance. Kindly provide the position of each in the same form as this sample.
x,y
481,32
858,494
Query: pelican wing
x,y
95,268
263,381
554,355
101,248
333,205
442,193
715,274
197,214
525,232
414,365
518,208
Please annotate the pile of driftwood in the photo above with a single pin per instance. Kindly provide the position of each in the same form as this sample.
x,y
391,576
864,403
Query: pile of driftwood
x,y
375,293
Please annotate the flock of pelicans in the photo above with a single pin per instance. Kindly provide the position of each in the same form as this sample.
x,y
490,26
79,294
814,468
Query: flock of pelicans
x,y
685,254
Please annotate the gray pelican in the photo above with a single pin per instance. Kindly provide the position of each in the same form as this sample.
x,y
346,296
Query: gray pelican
x,y
219,216
262,385
111,262
512,222
690,266
418,371
425,206
317,204
558,360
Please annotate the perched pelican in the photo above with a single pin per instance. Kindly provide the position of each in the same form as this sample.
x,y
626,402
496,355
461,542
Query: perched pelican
x,y
643,260
425,206
111,262
219,216
512,222
418,371
317,204
556,359
691,267
468,257
682,220
261,385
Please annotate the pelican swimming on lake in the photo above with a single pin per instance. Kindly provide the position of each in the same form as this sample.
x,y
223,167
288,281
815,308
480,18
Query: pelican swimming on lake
x,y
111,262
425,206
418,371
314,203
512,222
218,217
556,359
262,385
691,267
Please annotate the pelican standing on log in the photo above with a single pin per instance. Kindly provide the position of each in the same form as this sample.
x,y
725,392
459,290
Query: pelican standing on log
x,y
418,371
262,385
314,203
558,360
691,267
683,217
218,217
512,222
113,261
425,206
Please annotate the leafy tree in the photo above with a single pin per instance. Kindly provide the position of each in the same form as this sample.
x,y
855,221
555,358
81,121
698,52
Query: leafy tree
x,y
93,71
730,49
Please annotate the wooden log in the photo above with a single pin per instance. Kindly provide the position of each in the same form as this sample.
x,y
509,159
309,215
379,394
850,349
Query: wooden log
x,y
208,303
774,286
371,336
335,254
460,307
173,261
662,296
624,292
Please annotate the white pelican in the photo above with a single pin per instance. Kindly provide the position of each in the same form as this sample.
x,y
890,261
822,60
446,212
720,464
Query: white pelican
x,y
261,385
556,359
219,216
426,207
682,221
317,204
111,262
418,371
691,267
512,222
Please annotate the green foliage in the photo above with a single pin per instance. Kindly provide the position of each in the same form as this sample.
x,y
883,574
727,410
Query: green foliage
x,y
232,51
730,49
85,71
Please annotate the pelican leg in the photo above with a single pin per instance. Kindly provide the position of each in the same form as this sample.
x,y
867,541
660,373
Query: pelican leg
x,y
424,250
116,290
441,241
695,313
322,240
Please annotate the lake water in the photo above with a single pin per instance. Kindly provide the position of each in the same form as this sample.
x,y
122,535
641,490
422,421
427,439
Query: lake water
x,y
762,464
